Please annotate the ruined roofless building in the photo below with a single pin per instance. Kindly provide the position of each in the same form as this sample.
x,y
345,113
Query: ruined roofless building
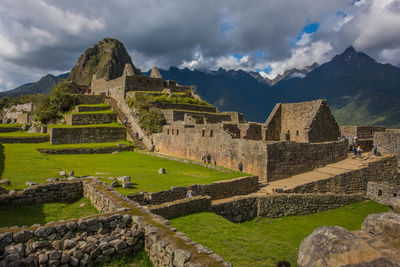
x,y
310,121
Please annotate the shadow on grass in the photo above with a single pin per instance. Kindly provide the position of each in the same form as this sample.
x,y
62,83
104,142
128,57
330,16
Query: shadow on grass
x,y
24,215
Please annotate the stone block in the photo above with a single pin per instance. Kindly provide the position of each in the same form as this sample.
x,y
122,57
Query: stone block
x,y
124,179
127,185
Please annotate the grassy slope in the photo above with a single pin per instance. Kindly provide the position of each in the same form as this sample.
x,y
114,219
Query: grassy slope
x,y
22,162
265,241
114,124
44,213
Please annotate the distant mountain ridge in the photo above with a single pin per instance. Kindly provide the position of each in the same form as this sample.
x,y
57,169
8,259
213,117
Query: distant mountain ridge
x,y
359,90
43,86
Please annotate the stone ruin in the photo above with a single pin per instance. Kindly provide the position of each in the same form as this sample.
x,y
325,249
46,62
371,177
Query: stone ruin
x,y
21,113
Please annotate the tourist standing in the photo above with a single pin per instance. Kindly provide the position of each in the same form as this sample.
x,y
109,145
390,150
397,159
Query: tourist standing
x,y
240,166
189,193
375,149
125,121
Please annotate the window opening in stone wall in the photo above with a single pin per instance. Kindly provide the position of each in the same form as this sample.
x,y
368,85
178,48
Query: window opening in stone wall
x,y
380,192
297,132
371,132
203,133
394,195
172,131
177,131
211,133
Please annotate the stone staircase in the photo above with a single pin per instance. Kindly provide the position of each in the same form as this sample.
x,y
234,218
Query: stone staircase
x,y
88,123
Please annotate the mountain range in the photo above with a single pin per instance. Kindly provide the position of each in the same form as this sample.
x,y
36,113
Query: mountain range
x,y
359,90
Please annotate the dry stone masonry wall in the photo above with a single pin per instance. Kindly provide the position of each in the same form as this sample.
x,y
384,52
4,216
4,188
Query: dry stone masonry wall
x,y
216,190
76,135
383,192
90,118
44,193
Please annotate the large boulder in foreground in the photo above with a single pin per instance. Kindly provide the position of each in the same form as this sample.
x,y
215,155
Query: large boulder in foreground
x,y
377,244
106,59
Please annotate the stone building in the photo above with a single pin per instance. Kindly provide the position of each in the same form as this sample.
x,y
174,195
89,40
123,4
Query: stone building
x,y
310,121
364,135
388,142
21,113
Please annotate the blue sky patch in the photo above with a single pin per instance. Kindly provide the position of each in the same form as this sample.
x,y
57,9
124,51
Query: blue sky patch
x,y
309,28
266,70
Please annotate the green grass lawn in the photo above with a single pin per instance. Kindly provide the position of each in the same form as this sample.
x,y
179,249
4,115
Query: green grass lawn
x,y
9,125
86,145
141,259
265,241
22,162
44,213
95,105
22,134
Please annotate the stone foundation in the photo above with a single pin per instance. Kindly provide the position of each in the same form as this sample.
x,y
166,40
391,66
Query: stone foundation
x,y
182,207
242,209
216,190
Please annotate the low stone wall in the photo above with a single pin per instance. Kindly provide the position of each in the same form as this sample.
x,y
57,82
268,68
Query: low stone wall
x,y
242,209
75,135
382,170
85,242
216,190
172,116
29,139
288,205
239,209
181,106
90,99
182,207
86,150
382,192
90,118
91,108
102,202
66,191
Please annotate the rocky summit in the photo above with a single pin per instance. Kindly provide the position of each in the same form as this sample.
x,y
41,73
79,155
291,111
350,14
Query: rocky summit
x,y
106,59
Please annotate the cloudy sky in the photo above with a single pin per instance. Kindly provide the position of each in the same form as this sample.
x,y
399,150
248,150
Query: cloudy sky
x,y
44,36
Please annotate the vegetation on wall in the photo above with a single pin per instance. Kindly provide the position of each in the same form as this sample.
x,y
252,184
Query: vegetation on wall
x,y
150,118
50,108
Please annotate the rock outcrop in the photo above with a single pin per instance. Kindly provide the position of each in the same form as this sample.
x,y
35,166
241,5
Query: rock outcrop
x,y
106,59
375,245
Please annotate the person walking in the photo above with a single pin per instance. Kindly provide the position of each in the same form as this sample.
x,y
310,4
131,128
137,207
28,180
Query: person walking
x,y
240,166
125,121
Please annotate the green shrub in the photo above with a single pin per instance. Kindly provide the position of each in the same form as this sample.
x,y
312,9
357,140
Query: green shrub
x,y
151,120
49,108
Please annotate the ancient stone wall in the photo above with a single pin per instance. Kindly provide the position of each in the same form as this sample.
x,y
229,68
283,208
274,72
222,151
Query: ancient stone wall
x,y
251,131
75,135
182,207
143,83
85,150
216,190
244,208
362,132
273,124
28,139
280,205
270,161
9,129
90,99
83,242
102,202
44,193
102,86
323,126
382,192
288,158
90,118
388,142
355,181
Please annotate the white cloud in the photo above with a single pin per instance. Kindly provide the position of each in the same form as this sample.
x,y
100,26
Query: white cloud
x,y
317,52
